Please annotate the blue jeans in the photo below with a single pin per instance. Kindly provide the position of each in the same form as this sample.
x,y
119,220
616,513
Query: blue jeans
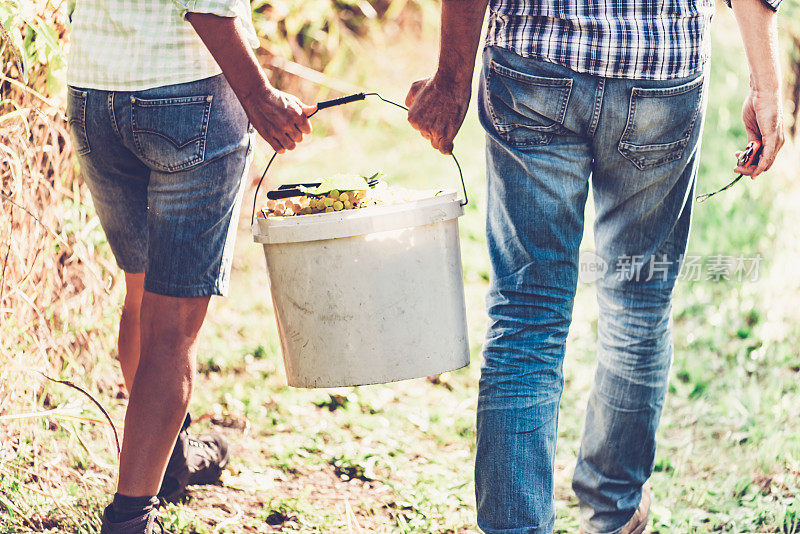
x,y
548,130
165,167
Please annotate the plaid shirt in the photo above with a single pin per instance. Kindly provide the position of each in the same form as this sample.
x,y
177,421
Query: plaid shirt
x,y
130,45
633,39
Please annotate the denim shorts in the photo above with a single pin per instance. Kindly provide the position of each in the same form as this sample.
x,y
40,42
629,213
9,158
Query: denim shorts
x,y
165,168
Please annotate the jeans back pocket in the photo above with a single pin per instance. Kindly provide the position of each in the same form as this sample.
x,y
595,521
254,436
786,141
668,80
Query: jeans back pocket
x,y
660,123
525,109
170,133
76,117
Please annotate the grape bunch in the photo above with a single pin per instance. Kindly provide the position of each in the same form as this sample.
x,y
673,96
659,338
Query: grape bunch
x,y
334,200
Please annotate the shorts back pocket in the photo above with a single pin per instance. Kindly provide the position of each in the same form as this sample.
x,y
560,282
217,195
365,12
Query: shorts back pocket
x,y
76,117
660,122
170,133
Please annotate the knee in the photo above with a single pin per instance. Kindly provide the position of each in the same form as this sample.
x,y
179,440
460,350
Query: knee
x,y
645,363
634,321
528,328
169,331
520,380
172,321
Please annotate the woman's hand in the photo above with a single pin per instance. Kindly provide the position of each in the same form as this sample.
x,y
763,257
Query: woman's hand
x,y
280,118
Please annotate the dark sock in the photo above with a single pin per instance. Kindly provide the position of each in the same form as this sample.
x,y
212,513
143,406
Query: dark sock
x,y
125,508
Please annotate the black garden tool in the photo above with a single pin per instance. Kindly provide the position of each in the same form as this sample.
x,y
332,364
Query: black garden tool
x,y
749,156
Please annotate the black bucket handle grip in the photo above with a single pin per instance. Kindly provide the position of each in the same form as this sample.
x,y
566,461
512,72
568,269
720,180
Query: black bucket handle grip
x,y
325,104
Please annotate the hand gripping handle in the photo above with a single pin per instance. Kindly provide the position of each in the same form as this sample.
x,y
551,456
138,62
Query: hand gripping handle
x,y
325,104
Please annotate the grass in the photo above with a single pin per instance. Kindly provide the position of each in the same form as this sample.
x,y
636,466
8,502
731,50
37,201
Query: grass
x,y
398,457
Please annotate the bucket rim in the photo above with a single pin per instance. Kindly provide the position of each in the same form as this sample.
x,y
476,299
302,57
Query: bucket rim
x,y
440,207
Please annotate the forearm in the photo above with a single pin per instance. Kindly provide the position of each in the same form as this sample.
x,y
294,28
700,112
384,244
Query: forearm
x,y
759,29
224,38
280,118
461,32
437,105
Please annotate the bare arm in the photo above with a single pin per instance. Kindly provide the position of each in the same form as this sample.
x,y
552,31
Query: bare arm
x,y
438,104
280,118
761,112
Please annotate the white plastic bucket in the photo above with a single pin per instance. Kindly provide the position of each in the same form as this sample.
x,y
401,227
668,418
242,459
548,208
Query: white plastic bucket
x,y
370,295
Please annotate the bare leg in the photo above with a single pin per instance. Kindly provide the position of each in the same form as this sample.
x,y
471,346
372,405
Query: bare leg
x,y
161,390
129,326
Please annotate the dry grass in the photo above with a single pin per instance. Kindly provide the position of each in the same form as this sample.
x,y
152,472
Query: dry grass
x,y
52,282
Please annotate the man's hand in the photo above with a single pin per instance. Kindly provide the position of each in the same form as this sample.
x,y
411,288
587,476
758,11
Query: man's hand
x,y
763,120
280,118
437,105
437,110
761,112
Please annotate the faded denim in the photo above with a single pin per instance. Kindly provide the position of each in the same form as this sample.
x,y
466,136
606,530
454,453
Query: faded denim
x,y
165,167
550,129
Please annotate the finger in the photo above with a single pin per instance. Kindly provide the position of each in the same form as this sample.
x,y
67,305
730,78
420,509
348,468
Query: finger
x,y
287,142
294,133
275,144
410,96
308,110
447,147
768,154
304,125
415,121
437,141
302,134
747,171
449,137
412,92
779,140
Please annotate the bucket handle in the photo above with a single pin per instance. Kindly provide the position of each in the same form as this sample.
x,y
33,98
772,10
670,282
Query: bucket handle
x,y
338,102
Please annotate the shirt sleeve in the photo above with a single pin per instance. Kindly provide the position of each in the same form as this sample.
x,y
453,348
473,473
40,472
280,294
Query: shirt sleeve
x,y
772,4
223,8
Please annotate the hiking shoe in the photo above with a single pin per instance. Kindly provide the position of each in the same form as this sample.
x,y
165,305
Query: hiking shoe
x,y
194,460
638,522
144,524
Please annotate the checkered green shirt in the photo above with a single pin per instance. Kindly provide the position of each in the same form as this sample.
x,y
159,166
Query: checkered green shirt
x,y
130,45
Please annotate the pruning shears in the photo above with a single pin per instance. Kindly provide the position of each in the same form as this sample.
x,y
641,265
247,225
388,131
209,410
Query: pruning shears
x,y
295,190
749,156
